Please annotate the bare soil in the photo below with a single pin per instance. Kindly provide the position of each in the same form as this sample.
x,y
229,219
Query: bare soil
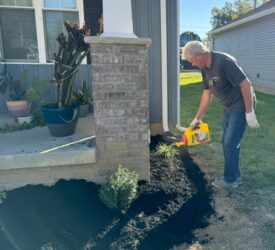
x,y
178,209
247,217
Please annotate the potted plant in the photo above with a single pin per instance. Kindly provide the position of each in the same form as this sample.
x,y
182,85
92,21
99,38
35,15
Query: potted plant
x,y
61,117
35,94
22,94
17,102
83,99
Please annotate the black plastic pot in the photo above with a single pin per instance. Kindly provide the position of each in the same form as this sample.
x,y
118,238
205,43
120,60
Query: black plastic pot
x,y
60,122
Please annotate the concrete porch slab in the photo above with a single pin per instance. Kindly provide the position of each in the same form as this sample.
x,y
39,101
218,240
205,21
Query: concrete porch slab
x,y
36,148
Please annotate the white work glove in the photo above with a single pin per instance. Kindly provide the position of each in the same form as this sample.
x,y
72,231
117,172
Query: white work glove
x,y
194,123
251,120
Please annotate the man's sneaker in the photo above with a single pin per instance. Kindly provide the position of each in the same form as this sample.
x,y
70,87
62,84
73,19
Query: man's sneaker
x,y
239,180
223,184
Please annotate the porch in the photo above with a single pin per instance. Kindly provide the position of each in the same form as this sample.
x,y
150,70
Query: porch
x,y
33,156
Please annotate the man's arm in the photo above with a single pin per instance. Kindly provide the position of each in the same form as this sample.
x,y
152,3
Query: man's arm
x,y
204,104
247,93
203,107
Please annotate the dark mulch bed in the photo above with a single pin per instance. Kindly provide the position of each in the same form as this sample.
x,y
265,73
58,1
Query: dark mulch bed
x,y
69,215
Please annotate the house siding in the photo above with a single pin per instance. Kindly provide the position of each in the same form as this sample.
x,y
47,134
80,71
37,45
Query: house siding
x,y
253,45
44,72
173,60
146,21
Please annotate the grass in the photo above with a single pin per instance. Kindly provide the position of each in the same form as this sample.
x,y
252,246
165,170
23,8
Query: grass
x,y
190,77
257,156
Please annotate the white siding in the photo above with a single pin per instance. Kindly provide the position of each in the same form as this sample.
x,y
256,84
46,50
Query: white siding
x,y
253,44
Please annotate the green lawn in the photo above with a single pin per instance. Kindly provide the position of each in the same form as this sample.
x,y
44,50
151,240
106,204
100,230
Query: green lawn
x,y
190,77
257,156
257,148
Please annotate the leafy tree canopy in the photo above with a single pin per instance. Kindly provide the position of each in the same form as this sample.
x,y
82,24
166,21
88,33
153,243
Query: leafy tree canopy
x,y
192,35
231,11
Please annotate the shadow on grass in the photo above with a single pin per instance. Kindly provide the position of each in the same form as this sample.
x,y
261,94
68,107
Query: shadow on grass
x,y
69,215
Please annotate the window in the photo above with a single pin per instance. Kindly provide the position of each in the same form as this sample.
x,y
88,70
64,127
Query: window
x,y
67,4
16,2
55,13
18,31
28,28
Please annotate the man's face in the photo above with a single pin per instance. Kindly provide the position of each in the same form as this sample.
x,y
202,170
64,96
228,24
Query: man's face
x,y
197,61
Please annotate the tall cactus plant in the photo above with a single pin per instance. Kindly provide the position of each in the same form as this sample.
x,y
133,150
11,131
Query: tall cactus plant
x,y
72,51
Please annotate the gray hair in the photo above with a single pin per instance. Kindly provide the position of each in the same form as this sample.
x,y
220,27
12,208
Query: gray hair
x,y
194,48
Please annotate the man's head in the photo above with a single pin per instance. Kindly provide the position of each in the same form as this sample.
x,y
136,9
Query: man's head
x,y
197,54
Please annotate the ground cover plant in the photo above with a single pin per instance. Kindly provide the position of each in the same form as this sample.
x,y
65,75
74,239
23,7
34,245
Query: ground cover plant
x,y
256,196
70,215
36,121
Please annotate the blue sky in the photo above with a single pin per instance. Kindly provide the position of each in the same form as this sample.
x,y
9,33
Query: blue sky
x,y
195,15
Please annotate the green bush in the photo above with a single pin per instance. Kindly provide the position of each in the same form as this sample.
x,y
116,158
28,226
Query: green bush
x,y
120,189
167,151
82,96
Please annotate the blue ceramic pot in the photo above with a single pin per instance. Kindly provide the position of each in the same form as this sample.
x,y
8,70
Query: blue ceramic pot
x,y
60,122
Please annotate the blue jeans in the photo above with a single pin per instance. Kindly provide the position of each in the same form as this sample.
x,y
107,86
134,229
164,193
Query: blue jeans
x,y
234,125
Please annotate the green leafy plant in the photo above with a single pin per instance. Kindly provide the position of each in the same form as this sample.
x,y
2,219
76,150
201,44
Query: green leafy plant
x,y
82,96
167,151
120,189
72,50
37,91
24,88
37,121
16,89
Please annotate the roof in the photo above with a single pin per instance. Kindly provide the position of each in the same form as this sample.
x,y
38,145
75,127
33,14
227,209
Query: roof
x,y
263,10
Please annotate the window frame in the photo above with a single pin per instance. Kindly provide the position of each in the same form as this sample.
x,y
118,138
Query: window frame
x,y
38,7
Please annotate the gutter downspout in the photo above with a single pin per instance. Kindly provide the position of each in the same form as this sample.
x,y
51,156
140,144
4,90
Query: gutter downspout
x,y
164,79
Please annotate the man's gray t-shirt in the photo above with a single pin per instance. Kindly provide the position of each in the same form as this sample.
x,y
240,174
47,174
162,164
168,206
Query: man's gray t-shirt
x,y
223,79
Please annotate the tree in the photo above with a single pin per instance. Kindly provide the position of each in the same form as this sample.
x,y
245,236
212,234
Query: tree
x,y
222,16
192,35
243,6
231,11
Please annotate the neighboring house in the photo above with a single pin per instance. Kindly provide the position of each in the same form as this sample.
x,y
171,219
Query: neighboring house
x,y
27,41
251,39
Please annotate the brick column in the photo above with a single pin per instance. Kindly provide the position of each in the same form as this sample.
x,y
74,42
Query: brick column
x,y
121,106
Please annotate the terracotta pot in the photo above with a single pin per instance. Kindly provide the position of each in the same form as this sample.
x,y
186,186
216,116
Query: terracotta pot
x,y
18,108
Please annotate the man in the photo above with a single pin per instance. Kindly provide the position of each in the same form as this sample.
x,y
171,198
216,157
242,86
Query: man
x,y
224,78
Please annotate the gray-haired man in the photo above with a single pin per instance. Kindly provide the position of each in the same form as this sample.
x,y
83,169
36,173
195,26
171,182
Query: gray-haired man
x,y
224,78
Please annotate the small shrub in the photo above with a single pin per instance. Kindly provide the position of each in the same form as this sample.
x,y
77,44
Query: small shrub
x,y
167,151
120,189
